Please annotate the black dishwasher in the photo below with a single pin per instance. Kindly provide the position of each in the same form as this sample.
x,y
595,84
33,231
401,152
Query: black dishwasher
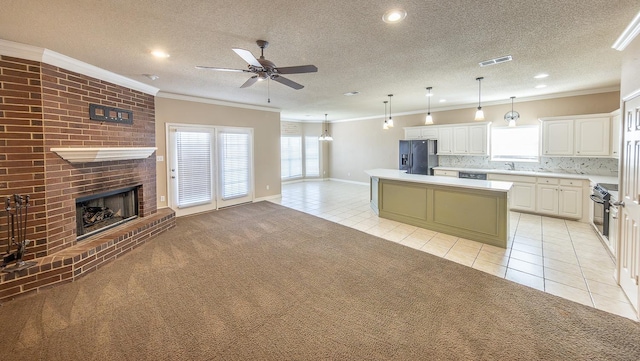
x,y
472,175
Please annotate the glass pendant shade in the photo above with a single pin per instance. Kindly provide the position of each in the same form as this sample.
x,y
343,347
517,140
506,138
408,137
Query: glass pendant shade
x,y
429,118
385,125
479,114
512,123
325,136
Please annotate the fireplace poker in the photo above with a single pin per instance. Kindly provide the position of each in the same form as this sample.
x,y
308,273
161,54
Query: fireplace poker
x,y
9,223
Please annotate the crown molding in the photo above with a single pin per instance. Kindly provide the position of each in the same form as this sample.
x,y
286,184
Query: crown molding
x,y
489,103
34,53
627,36
191,98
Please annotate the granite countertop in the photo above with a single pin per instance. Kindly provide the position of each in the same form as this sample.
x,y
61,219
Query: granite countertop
x,y
401,175
591,177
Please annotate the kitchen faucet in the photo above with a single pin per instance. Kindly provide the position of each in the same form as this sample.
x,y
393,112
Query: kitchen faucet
x,y
510,166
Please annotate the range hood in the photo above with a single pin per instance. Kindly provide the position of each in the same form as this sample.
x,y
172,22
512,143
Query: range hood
x,y
88,155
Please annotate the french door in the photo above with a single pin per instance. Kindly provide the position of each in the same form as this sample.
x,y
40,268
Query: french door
x,y
209,167
628,247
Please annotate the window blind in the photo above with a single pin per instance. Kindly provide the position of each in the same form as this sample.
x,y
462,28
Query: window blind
x,y
291,157
312,157
234,164
193,168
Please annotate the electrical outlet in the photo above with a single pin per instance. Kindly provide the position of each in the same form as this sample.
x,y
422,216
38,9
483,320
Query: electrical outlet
x,y
162,198
348,174
267,187
160,158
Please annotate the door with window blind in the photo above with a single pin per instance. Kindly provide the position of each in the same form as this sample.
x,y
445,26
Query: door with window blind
x,y
209,167
235,147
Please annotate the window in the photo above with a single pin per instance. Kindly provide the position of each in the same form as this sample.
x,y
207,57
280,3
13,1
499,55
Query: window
x,y
311,157
291,157
193,174
519,144
234,164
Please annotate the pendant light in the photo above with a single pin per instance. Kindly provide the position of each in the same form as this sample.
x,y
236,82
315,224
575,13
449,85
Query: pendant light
x,y
429,118
385,126
390,122
479,112
512,116
325,136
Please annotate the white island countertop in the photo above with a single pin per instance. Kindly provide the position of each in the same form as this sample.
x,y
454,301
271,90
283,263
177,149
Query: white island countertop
x,y
401,175
591,177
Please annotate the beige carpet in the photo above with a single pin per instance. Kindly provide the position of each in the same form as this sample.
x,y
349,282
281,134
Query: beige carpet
x,y
264,282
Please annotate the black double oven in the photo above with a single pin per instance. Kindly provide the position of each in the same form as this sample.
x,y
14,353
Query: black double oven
x,y
601,198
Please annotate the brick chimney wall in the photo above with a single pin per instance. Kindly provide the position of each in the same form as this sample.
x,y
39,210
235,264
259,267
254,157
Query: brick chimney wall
x,y
43,107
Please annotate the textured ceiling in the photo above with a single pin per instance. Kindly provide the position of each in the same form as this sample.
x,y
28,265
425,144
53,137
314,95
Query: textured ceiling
x,y
439,44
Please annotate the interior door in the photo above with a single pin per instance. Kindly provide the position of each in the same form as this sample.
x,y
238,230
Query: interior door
x,y
628,248
191,169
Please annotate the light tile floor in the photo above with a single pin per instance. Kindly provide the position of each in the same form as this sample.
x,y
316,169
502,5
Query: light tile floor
x,y
561,257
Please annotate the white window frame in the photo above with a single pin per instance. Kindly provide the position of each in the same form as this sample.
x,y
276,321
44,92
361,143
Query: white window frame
x,y
515,157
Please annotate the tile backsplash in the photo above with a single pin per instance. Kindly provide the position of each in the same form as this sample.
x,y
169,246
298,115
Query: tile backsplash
x,y
574,165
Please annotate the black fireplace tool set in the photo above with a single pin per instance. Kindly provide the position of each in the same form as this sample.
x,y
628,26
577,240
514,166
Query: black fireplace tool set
x,y
16,234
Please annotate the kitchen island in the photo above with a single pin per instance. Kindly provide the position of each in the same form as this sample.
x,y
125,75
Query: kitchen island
x,y
473,209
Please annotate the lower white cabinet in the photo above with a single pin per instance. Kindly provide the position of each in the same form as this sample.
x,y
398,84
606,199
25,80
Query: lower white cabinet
x,y
446,173
559,197
523,197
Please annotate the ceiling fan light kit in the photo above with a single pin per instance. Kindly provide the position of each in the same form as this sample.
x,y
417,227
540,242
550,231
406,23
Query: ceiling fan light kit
x,y
479,112
264,69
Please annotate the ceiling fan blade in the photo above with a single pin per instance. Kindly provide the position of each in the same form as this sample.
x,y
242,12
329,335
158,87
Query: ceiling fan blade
x,y
297,69
248,57
287,82
222,69
249,82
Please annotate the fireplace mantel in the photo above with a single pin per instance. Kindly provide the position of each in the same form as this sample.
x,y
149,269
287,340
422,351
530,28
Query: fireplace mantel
x,y
87,155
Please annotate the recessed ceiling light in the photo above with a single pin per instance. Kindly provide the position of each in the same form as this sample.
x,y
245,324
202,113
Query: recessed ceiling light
x,y
540,86
541,76
152,76
159,54
394,16
351,93
443,100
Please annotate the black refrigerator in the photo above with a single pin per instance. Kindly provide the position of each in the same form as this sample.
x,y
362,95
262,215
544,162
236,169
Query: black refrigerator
x,y
418,156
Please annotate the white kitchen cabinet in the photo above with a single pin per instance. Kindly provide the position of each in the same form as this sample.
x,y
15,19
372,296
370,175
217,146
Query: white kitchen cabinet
x,y
412,133
428,132
570,202
478,139
616,121
523,192
559,197
445,140
592,136
461,140
445,173
557,137
547,199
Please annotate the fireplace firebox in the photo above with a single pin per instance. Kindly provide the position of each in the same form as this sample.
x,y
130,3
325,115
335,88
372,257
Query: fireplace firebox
x,y
99,212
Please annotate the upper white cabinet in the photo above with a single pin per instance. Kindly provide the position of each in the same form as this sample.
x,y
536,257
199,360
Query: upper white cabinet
x,y
616,121
581,136
445,140
592,136
428,132
557,137
460,139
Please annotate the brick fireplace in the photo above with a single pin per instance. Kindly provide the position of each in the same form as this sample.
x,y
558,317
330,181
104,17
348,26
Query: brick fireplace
x,y
43,107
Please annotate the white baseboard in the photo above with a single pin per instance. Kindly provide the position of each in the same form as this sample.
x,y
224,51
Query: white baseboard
x,y
348,181
267,198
